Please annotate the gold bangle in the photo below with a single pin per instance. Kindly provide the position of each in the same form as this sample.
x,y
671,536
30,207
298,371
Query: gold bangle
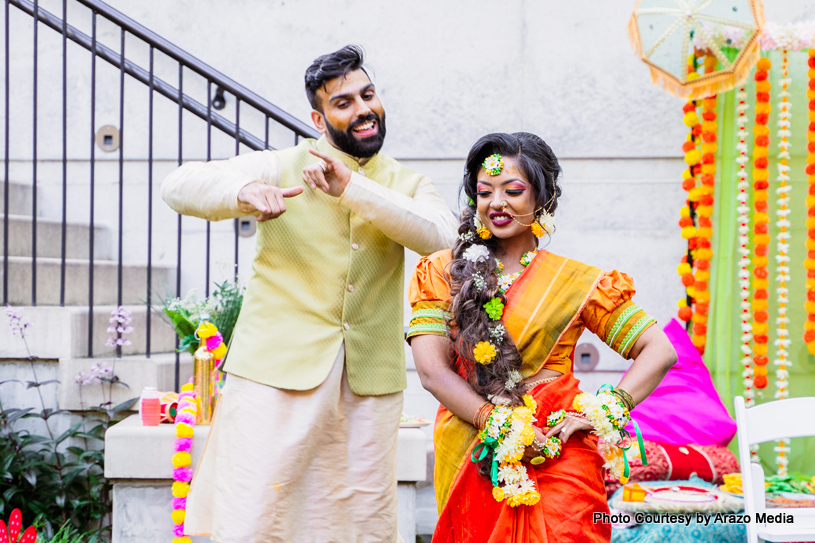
x,y
625,397
482,414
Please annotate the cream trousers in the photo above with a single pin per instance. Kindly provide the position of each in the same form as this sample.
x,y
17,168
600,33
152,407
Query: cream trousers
x,y
313,466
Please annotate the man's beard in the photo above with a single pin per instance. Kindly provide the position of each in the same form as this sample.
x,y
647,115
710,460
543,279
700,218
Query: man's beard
x,y
350,144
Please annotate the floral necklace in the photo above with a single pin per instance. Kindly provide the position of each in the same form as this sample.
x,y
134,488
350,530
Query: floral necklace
x,y
505,280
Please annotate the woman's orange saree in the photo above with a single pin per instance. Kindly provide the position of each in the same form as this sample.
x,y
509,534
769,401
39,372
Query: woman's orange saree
x,y
543,307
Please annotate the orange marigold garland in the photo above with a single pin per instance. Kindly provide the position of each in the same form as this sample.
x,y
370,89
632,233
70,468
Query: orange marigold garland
x,y
761,219
704,211
809,263
744,251
693,157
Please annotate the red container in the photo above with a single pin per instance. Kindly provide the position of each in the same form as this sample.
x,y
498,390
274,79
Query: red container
x,y
150,407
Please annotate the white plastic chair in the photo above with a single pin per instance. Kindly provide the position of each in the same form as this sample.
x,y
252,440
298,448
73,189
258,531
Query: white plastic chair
x,y
769,421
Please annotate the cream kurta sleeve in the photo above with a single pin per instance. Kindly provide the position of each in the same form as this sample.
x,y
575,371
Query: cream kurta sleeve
x,y
422,223
209,190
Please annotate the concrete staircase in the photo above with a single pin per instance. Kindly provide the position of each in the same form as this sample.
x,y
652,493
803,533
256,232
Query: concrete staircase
x,y
61,333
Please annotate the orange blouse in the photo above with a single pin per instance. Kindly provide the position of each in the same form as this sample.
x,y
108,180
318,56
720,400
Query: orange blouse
x,y
609,312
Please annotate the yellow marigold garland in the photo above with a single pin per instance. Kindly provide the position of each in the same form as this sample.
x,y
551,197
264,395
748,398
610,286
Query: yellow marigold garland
x,y
687,214
761,219
508,432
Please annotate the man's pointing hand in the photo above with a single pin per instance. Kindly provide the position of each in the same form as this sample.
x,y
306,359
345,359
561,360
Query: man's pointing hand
x,y
258,197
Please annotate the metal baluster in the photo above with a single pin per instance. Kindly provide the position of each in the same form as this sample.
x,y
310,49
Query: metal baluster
x,y
296,138
149,202
237,152
178,254
34,168
5,170
64,233
119,274
209,157
266,127
92,184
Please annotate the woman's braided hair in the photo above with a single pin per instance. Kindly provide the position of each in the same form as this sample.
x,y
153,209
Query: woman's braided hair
x,y
473,284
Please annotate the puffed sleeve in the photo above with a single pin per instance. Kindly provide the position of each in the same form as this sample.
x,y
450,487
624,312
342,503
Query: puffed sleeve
x,y
612,315
429,295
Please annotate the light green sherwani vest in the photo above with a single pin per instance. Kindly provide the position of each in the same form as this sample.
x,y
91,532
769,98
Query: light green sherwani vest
x,y
321,276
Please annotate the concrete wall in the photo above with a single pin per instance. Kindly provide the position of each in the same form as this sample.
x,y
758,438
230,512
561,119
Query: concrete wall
x,y
447,73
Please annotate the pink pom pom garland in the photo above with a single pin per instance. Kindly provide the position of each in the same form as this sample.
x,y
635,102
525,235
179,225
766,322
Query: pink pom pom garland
x,y
182,475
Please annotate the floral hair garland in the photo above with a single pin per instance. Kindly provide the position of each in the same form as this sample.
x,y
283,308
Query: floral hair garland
x,y
508,432
609,416
493,164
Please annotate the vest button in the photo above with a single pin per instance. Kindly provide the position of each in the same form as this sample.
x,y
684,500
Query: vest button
x,y
361,172
346,326
354,246
350,288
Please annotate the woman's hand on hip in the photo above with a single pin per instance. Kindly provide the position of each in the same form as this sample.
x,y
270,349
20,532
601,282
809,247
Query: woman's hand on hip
x,y
565,429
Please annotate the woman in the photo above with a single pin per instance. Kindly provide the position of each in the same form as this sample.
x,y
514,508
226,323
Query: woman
x,y
493,331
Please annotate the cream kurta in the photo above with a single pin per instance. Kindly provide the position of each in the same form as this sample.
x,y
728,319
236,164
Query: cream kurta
x,y
327,271
311,464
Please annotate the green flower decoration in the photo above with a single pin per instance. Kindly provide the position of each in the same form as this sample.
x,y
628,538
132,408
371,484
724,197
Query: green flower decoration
x,y
493,164
495,308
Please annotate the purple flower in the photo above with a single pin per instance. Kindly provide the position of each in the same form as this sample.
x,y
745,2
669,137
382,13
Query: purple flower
x,y
120,319
178,530
17,322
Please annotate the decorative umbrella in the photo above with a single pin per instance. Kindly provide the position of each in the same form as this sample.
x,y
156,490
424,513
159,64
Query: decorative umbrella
x,y
697,48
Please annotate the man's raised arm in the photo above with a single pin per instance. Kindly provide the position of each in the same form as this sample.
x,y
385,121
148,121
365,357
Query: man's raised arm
x,y
210,190
422,223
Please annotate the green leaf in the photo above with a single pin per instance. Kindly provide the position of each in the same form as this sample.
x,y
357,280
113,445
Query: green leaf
x,y
182,325
126,405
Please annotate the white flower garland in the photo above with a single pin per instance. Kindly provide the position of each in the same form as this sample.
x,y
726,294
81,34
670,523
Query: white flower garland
x,y
782,270
744,262
508,432
608,416
744,240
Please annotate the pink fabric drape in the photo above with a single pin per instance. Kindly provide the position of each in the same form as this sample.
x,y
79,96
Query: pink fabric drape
x,y
685,408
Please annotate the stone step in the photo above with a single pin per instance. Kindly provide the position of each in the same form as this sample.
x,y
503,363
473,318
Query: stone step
x,y
20,201
105,274
136,371
49,238
62,333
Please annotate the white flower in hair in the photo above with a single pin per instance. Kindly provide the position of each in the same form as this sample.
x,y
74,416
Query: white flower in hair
x,y
466,237
475,252
497,332
547,221
514,378
479,282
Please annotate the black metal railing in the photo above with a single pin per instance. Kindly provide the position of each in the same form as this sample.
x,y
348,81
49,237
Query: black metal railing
x,y
128,70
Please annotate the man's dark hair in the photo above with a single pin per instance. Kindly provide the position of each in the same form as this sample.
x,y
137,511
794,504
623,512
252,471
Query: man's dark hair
x,y
330,66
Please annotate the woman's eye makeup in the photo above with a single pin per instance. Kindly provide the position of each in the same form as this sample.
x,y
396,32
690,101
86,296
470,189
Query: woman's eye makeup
x,y
515,192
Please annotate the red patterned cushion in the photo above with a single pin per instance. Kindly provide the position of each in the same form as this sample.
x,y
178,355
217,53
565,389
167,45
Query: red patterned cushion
x,y
679,462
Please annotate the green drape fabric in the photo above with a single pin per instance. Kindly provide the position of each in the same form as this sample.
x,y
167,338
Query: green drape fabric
x,y
723,354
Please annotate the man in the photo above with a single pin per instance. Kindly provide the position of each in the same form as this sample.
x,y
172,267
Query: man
x,y
303,443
